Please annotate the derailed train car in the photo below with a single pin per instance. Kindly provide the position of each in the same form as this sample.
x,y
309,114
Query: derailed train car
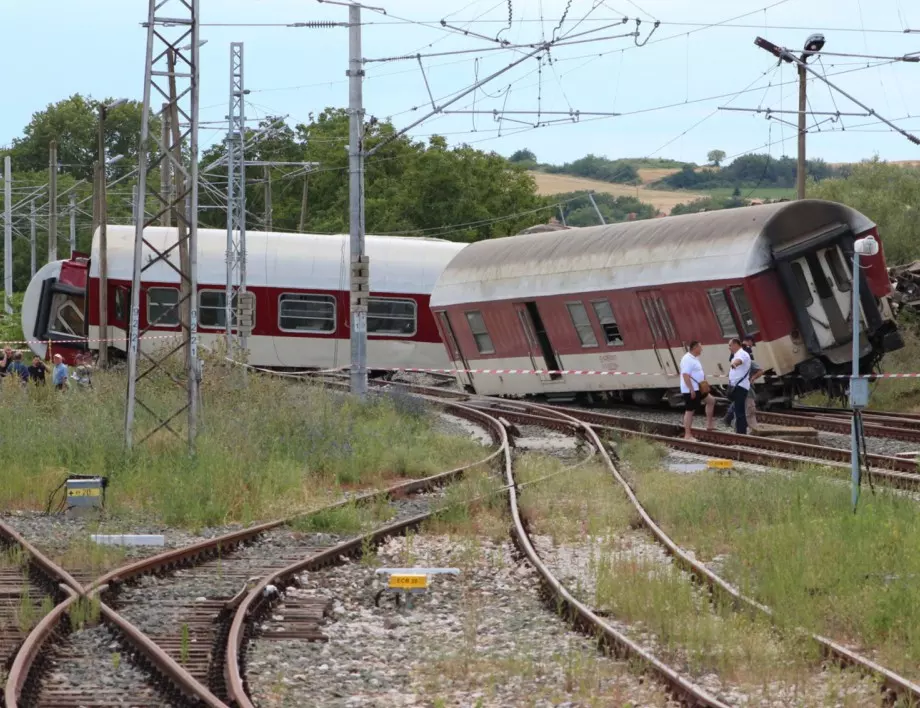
x,y
630,297
300,284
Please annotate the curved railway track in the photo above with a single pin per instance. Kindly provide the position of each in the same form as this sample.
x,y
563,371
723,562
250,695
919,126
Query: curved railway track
x,y
165,664
215,676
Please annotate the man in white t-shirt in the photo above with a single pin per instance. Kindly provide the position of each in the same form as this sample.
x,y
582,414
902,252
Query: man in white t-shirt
x,y
739,382
691,376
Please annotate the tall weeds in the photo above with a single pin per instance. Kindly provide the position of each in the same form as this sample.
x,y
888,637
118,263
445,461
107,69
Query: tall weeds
x,y
264,448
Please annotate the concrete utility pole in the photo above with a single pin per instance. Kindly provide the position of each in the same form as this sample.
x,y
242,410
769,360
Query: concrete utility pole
x,y
165,165
303,203
103,216
267,186
169,23
800,165
7,235
72,210
52,202
815,43
134,205
32,235
359,261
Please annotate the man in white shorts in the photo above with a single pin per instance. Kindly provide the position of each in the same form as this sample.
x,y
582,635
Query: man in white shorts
x,y
691,376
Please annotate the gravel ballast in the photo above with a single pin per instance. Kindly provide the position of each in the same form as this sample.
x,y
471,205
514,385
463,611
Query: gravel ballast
x,y
481,638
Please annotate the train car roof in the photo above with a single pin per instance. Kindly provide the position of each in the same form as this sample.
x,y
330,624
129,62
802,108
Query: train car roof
x,y
730,243
398,264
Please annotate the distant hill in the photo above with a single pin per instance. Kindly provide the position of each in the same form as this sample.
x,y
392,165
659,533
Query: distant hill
x,y
662,200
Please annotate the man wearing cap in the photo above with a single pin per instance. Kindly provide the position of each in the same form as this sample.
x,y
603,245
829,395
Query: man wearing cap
x,y
750,408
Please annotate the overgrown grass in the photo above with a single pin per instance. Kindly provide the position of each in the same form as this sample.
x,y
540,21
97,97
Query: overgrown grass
x,y
476,505
794,543
584,509
267,448
349,518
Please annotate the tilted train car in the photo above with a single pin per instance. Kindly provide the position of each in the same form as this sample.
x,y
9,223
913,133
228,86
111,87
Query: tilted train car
x,y
631,297
300,283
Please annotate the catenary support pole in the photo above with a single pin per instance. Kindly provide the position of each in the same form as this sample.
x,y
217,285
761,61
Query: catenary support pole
x,y
72,210
359,262
267,186
600,217
32,245
134,204
52,201
236,322
7,234
854,431
800,165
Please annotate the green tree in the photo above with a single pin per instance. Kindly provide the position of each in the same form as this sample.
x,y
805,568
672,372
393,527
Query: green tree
x,y
887,194
73,122
715,157
410,187
523,155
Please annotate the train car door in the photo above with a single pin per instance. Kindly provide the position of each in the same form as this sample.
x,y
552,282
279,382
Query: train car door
x,y
453,350
816,296
837,272
664,336
541,349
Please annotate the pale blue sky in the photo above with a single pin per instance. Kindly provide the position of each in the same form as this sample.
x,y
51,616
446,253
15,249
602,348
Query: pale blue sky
x,y
53,48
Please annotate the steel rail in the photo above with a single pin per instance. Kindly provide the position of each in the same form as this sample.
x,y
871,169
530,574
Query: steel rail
x,y
580,614
841,425
900,480
894,682
192,554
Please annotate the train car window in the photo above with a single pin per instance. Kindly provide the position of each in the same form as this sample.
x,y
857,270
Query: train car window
x,y
802,285
723,313
609,325
121,304
480,333
162,307
583,327
300,312
665,319
390,316
838,269
68,317
745,312
212,311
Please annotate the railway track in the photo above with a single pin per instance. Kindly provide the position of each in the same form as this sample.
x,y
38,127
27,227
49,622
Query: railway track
x,y
175,669
202,659
558,597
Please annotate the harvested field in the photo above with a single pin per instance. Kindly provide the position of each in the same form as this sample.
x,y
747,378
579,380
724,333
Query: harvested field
x,y
662,200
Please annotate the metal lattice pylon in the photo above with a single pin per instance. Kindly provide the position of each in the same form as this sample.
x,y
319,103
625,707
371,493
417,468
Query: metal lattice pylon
x,y
238,318
171,72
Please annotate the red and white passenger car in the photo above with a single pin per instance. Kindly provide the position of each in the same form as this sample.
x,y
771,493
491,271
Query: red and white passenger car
x,y
632,296
300,283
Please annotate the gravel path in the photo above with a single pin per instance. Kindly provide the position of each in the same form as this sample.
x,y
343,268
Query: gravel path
x,y
482,638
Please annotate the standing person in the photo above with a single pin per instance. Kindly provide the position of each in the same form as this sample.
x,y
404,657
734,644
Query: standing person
x,y
750,407
739,384
17,368
695,389
38,370
6,360
59,374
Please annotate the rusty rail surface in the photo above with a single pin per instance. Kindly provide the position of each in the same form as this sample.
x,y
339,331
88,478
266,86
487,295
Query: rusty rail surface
x,y
578,613
716,441
195,553
895,683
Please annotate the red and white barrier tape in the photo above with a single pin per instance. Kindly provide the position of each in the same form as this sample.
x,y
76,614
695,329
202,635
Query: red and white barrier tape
x,y
590,372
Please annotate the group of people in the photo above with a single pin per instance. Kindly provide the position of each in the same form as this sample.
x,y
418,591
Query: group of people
x,y
743,371
12,365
